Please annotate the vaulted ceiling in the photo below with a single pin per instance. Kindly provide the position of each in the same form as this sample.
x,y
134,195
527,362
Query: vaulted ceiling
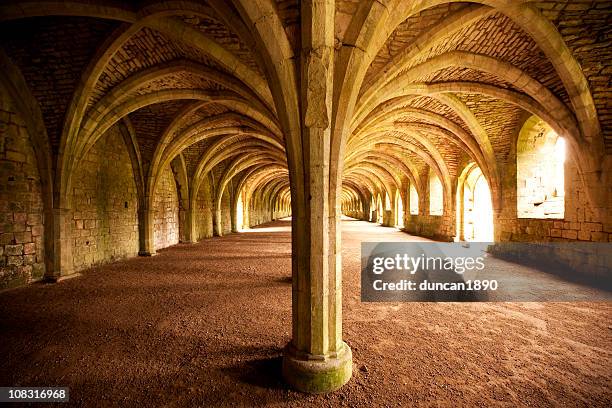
x,y
447,83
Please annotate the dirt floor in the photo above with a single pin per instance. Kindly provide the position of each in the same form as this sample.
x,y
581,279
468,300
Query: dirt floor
x,y
204,325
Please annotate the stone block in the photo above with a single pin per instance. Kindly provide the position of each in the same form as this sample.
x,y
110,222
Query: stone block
x,y
14,260
570,234
29,259
19,227
23,237
592,226
584,235
26,271
598,236
34,219
20,217
6,238
38,270
15,156
37,230
29,248
7,227
13,249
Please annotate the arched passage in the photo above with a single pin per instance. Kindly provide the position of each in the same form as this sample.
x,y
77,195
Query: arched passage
x,y
414,200
276,107
474,206
399,210
436,195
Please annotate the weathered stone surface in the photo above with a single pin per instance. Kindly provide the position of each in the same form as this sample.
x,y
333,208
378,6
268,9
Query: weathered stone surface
x,y
103,229
40,50
341,106
20,197
165,208
14,249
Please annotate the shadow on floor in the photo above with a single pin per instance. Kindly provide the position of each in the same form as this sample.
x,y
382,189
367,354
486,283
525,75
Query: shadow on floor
x,y
262,372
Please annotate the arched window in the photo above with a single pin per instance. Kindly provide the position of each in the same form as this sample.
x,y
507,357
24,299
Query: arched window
x,y
540,160
414,200
436,195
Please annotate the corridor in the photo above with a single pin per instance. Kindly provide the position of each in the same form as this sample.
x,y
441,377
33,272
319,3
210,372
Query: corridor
x,y
204,324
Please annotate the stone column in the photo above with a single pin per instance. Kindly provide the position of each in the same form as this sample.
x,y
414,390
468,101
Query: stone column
x,y
245,212
217,223
388,218
187,225
145,231
316,359
60,259
183,224
233,212
365,216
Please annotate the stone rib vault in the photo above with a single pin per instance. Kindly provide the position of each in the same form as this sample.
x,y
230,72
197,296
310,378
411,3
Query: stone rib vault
x,y
127,127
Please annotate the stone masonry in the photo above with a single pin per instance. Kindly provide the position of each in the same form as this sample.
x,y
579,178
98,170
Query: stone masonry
x,y
22,250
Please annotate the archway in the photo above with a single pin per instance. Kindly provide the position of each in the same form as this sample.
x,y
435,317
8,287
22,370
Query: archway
x,y
436,195
474,206
399,210
372,217
414,200
240,213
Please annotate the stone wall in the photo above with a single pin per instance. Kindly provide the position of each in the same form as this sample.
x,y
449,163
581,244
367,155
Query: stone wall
x,y
21,203
166,209
580,223
440,227
105,226
579,226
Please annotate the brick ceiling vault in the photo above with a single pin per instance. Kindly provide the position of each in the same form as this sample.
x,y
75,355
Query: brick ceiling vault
x,y
421,85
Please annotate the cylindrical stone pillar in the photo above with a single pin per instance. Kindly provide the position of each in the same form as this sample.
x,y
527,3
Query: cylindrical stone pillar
x,y
146,236
316,360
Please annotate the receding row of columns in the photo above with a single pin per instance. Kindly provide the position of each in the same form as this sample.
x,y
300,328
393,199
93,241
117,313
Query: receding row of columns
x,y
60,220
316,122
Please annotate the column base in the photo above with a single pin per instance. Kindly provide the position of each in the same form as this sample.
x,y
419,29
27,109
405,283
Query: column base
x,y
59,278
146,253
308,373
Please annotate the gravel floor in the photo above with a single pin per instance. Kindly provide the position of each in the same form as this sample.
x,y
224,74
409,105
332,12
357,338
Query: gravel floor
x,y
204,325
